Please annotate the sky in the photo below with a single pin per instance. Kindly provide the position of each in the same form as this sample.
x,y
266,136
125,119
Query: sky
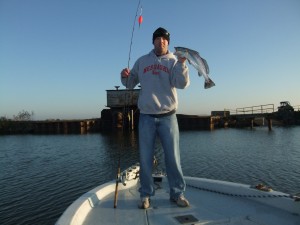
x,y
58,57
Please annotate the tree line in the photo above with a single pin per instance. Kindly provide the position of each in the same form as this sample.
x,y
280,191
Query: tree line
x,y
18,124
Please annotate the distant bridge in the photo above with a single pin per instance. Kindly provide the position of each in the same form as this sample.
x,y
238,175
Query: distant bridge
x,y
253,111
246,115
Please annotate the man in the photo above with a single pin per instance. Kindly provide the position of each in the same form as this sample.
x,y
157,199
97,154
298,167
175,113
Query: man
x,y
159,73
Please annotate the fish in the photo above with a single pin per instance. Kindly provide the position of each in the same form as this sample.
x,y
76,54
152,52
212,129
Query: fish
x,y
194,58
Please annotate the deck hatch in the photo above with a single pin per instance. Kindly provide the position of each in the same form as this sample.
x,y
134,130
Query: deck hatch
x,y
186,219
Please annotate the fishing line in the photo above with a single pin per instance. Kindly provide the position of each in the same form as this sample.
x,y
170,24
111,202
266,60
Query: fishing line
x,y
133,29
125,118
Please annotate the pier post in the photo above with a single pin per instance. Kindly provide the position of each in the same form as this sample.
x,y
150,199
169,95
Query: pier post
x,y
270,124
83,127
131,119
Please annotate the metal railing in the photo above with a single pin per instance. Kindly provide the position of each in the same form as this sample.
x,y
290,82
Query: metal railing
x,y
259,109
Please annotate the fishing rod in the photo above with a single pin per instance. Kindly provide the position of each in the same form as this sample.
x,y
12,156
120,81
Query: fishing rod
x,y
125,108
117,183
140,21
118,176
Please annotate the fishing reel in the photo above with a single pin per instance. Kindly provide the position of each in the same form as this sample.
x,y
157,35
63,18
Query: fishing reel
x,y
131,173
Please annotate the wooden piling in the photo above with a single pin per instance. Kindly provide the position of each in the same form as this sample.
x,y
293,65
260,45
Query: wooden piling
x,y
270,124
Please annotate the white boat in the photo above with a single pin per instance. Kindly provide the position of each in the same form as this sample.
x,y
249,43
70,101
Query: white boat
x,y
211,202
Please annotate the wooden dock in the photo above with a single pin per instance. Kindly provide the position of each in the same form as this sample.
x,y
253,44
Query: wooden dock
x,y
51,127
246,116
113,118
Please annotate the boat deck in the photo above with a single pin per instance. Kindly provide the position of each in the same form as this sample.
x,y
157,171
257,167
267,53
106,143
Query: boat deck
x,y
206,207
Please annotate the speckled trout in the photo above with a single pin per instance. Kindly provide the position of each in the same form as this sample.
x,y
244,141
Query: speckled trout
x,y
196,61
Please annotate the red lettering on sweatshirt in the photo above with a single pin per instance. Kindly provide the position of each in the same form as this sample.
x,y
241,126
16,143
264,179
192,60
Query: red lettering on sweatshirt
x,y
155,68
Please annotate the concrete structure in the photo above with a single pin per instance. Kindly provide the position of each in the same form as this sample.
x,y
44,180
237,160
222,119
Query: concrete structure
x,y
123,111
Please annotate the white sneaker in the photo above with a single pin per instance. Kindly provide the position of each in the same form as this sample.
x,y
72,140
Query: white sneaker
x,y
181,201
145,203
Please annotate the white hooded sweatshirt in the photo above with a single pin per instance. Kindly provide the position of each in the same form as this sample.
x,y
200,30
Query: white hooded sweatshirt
x,y
159,76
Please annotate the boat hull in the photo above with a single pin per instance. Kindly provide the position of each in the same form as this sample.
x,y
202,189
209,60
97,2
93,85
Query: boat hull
x,y
211,202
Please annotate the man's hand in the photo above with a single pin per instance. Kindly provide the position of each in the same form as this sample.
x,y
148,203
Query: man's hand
x,y
181,59
125,73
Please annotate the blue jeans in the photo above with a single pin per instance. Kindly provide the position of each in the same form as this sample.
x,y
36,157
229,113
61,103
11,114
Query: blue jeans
x,y
166,128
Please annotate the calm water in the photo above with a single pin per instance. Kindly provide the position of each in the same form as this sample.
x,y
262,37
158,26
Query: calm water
x,y
42,175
